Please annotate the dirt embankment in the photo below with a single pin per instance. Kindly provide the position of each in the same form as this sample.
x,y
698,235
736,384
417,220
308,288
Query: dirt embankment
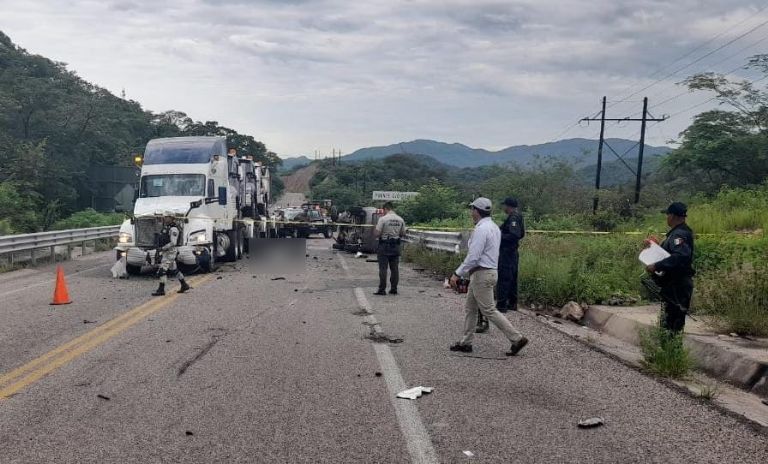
x,y
299,180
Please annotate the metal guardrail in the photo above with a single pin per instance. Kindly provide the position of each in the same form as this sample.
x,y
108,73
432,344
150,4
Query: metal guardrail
x,y
451,242
10,244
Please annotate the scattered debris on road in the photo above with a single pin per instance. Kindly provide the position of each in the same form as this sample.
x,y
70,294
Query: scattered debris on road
x,y
469,454
377,374
592,422
188,433
106,398
277,278
415,392
86,321
371,260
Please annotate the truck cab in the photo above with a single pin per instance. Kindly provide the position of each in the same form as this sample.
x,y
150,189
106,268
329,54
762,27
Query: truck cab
x,y
195,180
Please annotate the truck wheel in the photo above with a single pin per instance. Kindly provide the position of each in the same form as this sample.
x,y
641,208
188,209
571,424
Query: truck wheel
x,y
240,244
231,254
207,261
133,270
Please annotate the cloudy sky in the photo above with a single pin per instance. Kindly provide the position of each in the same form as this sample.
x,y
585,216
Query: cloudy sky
x,y
306,75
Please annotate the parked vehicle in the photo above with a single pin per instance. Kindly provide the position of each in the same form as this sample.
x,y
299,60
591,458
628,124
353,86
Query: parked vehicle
x,y
194,178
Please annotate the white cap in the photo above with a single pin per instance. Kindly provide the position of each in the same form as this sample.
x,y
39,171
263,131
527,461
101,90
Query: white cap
x,y
482,203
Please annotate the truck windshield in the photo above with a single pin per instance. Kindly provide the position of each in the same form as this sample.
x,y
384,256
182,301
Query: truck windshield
x,y
178,153
183,185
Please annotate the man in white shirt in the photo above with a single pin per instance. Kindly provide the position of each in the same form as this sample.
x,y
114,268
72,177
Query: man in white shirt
x,y
481,266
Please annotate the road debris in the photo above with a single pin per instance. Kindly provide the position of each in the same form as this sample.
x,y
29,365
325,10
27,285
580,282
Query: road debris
x,y
377,374
469,454
277,278
415,392
86,321
188,433
592,422
106,398
219,278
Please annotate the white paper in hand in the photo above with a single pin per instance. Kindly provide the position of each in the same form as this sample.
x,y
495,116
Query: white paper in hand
x,y
653,254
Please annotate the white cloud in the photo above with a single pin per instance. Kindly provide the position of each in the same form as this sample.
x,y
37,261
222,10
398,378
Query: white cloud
x,y
306,74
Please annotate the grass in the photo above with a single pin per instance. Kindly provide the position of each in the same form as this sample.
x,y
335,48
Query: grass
x,y
709,391
737,299
664,353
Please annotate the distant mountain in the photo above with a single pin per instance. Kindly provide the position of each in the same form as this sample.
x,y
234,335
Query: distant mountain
x,y
580,152
293,163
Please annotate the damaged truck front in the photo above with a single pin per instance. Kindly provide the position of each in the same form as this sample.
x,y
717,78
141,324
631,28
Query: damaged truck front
x,y
192,179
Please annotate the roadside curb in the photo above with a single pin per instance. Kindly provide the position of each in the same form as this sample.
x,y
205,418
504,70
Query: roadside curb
x,y
744,365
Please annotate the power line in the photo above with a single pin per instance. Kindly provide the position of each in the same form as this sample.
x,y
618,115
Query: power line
x,y
691,52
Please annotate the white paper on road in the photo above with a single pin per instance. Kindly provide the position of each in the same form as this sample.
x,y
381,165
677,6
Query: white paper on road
x,y
653,254
415,392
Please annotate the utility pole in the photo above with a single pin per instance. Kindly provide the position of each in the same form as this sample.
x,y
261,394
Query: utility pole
x,y
599,157
640,150
644,120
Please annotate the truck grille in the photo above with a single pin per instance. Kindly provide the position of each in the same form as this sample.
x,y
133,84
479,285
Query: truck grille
x,y
147,232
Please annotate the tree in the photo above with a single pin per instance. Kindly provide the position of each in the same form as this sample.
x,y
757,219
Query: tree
x,y
726,147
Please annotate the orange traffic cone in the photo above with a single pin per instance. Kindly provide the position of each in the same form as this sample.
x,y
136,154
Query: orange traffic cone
x,y
60,293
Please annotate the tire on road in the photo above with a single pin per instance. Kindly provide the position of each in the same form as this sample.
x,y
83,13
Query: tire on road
x,y
132,269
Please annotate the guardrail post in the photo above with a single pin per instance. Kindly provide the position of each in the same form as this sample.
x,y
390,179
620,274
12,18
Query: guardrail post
x,y
69,252
34,258
84,248
53,254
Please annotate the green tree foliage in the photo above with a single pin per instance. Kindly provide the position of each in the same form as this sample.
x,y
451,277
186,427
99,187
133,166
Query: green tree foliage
x,y
54,125
435,201
726,147
351,184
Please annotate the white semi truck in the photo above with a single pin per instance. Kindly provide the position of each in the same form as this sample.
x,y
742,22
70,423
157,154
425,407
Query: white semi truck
x,y
195,180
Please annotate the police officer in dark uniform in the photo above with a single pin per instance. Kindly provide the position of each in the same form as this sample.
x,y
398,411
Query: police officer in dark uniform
x,y
168,242
674,274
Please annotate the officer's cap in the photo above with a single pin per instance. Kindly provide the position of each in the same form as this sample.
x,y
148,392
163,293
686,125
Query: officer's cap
x,y
482,203
677,209
511,202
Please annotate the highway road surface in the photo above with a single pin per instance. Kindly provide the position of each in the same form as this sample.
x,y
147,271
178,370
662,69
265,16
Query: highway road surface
x,y
251,367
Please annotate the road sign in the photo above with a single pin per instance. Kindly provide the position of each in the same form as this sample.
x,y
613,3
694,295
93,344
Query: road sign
x,y
393,196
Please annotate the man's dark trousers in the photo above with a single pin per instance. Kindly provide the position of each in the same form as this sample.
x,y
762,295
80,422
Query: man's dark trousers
x,y
506,288
388,255
676,299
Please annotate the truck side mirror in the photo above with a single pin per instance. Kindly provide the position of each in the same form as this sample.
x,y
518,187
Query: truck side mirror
x,y
223,196
195,204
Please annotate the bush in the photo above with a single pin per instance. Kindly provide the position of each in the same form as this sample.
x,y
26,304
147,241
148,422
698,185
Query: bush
x,y
664,353
434,202
737,300
88,218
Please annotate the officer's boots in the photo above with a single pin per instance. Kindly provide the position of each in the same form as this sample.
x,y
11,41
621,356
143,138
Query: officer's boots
x,y
160,290
184,286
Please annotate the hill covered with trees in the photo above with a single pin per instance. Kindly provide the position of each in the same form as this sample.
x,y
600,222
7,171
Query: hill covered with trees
x,y
54,126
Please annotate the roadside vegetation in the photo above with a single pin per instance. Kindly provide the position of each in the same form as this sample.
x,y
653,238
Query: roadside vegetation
x,y
664,354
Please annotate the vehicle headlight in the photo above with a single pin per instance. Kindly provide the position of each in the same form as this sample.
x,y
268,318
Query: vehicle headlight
x,y
124,237
197,237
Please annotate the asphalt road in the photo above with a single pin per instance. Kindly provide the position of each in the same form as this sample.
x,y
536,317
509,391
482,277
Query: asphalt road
x,y
245,368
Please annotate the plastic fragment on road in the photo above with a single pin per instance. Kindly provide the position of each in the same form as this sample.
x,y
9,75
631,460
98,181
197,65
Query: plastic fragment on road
x,y
119,269
469,454
592,422
415,392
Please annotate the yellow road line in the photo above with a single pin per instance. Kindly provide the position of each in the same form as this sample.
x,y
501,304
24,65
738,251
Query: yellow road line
x,y
31,372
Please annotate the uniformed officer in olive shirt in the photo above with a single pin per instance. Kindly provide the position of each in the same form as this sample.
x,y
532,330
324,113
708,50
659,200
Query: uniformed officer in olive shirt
x,y
389,230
